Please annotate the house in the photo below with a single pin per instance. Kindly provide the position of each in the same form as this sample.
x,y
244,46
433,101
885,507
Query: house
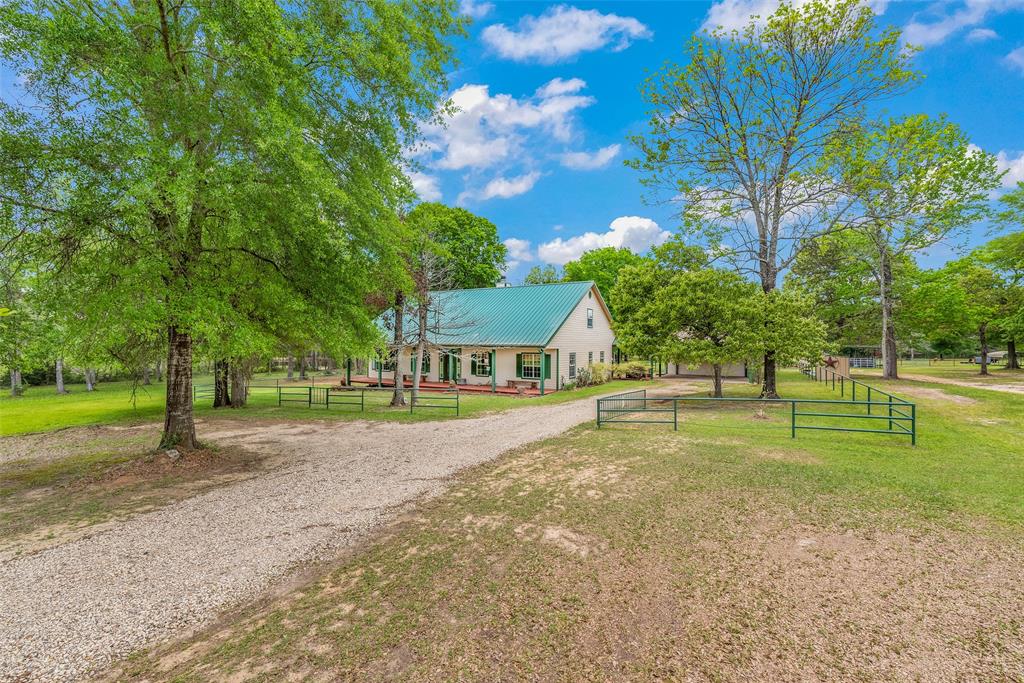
x,y
532,338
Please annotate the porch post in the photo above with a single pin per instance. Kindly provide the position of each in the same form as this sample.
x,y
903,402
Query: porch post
x,y
542,373
380,373
494,372
558,366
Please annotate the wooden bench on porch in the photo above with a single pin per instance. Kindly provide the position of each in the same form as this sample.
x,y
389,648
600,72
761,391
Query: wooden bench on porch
x,y
521,384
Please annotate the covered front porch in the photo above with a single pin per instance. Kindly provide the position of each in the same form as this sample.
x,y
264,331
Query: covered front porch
x,y
508,370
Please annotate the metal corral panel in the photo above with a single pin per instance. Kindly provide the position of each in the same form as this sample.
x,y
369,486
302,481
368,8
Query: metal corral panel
x,y
499,316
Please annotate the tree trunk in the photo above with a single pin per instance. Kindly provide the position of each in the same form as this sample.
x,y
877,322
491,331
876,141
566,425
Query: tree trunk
x,y
302,366
239,384
291,366
398,396
159,371
718,379
769,276
221,395
1011,355
770,388
59,376
179,425
889,368
90,379
15,382
983,338
146,379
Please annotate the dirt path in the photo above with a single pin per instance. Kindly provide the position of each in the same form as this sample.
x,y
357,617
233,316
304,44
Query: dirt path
x,y
73,608
1005,388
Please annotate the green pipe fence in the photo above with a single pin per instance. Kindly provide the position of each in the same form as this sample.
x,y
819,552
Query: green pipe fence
x,y
631,407
443,398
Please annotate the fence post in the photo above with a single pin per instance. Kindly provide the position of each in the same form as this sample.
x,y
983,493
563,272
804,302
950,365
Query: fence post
x,y
598,413
457,395
362,400
913,424
278,394
328,390
853,384
869,399
890,412
792,419
842,386
675,415
309,397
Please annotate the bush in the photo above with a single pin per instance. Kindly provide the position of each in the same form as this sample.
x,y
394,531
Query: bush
x,y
602,372
633,369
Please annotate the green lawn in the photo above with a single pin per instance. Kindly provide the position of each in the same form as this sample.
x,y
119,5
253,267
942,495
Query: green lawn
x,y
955,369
724,551
40,409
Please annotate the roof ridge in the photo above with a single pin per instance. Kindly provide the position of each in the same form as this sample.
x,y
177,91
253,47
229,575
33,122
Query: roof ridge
x,y
496,288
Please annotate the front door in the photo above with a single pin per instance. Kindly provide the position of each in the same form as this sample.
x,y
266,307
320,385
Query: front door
x,y
451,365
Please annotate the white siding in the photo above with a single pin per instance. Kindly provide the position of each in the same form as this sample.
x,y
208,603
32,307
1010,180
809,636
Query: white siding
x,y
574,335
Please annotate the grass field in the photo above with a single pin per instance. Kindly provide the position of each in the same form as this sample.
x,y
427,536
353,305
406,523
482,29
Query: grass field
x,y
955,369
40,409
724,551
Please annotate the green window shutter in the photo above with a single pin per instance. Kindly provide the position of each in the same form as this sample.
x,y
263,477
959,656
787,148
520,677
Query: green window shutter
x,y
412,364
472,365
547,366
519,365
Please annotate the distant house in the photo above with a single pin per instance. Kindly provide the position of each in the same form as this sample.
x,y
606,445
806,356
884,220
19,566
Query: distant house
x,y
528,339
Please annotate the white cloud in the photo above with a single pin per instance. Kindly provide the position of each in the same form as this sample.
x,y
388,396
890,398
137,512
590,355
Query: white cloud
x,y
589,161
1015,59
735,15
633,232
519,251
927,32
560,86
503,188
980,35
1014,166
475,9
489,129
428,187
561,33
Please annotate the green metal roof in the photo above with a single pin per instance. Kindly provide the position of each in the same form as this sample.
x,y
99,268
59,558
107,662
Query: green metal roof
x,y
529,315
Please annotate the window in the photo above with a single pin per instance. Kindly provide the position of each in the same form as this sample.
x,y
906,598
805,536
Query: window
x,y
384,365
528,365
590,317
480,364
590,358
531,366
424,365
602,356
572,365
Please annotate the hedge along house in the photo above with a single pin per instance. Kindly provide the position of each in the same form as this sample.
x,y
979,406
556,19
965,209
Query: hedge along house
x,y
529,339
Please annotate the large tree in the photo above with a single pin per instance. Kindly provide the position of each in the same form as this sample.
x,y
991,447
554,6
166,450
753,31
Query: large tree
x,y
736,134
468,243
911,183
602,266
1005,255
169,146
712,316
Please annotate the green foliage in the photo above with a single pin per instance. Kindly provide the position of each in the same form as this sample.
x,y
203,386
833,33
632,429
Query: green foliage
x,y
715,317
474,256
749,115
228,173
633,369
602,266
542,275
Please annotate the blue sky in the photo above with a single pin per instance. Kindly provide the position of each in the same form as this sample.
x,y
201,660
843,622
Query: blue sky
x,y
548,94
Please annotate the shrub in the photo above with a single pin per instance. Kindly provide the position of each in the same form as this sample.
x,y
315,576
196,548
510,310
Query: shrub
x,y
601,372
633,369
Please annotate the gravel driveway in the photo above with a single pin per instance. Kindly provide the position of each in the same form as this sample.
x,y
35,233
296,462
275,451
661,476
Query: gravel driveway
x,y
71,609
